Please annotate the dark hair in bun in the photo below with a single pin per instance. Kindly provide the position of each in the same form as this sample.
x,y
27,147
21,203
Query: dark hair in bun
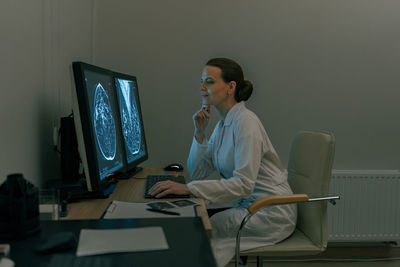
x,y
231,71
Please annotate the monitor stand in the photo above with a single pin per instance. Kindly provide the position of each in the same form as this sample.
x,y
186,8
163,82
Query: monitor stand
x,y
103,192
75,191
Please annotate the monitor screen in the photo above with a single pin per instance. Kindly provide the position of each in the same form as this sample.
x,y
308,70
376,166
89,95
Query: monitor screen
x,y
104,119
97,122
131,119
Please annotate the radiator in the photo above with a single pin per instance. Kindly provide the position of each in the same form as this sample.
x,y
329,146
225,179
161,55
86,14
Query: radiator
x,y
369,208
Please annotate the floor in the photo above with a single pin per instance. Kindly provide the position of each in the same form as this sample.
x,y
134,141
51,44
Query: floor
x,y
364,255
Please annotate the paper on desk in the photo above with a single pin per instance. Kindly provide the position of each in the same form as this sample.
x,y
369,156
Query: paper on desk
x,y
94,241
131,210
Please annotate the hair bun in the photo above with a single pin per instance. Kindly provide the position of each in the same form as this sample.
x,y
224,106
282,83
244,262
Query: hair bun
x,y
244,92
231,71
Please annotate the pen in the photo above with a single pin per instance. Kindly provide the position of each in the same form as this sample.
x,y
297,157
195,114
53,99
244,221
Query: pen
x,y
164,211
105,211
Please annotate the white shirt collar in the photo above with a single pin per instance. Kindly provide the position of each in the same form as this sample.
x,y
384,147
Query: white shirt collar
x,y
232,113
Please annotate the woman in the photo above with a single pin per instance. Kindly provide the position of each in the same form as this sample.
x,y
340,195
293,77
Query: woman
x,y
240,151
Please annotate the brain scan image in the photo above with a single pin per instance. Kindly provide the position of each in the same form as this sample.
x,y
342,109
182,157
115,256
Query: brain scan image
x,y
129,118
104,124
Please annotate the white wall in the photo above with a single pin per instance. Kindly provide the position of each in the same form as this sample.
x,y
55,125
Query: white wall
x,y
21,72
315,65
39,40
330,65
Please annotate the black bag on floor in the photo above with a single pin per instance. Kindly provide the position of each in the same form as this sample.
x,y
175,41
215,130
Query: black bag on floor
x,y
19,208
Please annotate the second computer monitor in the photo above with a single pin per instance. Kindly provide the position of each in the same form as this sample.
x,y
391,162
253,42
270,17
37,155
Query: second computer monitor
x,y
131,120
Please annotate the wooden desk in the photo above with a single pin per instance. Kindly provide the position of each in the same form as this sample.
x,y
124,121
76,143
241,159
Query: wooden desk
x,y
130,190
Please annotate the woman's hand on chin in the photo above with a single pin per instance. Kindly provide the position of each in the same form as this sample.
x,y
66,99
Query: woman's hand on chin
x,y
200,120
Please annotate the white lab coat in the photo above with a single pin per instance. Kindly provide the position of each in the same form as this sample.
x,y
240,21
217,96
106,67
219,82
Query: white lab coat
x,y
240,151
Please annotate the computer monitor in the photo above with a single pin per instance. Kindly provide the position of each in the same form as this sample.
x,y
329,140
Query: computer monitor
x,y
131,121
97,123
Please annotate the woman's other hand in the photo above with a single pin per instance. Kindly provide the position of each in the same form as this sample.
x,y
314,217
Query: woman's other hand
x,y
200,120
164,188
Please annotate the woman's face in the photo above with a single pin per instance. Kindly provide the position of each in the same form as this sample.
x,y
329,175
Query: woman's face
x,y
214,90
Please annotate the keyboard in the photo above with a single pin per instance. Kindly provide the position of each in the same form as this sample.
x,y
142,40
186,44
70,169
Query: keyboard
x,y
153,179
70,260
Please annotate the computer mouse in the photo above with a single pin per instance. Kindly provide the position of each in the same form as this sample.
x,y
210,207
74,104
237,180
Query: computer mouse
x,y
176,167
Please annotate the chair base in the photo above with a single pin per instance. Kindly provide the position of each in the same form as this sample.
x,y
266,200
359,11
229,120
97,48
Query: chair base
x,y
296,245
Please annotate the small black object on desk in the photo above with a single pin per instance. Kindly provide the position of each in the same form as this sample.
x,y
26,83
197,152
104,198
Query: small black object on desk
x,y
19,208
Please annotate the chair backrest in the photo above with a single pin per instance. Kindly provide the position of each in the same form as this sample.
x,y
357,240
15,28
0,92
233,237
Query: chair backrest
x,y
309,172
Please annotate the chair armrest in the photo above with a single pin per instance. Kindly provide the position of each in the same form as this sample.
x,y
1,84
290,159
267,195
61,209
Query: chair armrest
x,y
276,200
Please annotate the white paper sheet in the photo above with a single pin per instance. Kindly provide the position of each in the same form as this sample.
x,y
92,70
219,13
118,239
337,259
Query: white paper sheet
x,y
130,210
94,241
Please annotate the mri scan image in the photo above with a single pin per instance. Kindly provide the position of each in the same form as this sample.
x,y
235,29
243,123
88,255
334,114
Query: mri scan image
x,y
129,117
104,124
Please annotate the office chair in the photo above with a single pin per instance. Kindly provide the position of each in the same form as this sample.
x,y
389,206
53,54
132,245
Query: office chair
x,y
309,172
